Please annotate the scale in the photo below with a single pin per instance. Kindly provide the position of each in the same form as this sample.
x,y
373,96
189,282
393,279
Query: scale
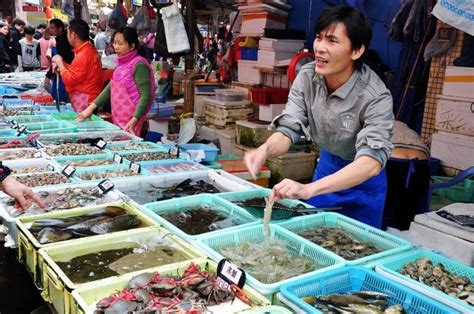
x,y
300,59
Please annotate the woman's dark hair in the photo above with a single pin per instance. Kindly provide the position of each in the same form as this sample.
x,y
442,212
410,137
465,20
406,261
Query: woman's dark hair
x,y
131,37
358,28
57,22
19,22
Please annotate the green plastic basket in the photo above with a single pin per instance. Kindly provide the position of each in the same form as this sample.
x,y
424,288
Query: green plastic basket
x,y
260,192
216,204
72,116
325,260
32,119
50,127
461,192
94,126
391,268
384,241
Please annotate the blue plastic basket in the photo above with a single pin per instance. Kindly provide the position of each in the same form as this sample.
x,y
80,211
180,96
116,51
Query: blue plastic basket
x,y
391,268
384,241
16,102
63,161
209,151
261,192
32,119
115,147
161,110
107,169
51,108
352,279
325,260
216,204
150,164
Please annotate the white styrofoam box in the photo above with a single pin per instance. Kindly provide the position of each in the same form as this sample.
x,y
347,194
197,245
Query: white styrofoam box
x,y
271,57
9,221
248,73
159,125
458,81
455,114
291,45
254,23
223,183
269,112
262,7
40,163
451,246
226,138
454,150
237,179
199,102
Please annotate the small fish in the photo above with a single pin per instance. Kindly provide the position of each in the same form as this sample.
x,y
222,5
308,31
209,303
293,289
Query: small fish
x,y
343,299
370,295
88,224
394,309
363,309
310,300
51,235
267,216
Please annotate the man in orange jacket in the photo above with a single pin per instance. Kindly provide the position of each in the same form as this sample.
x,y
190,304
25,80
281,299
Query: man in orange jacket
x,y
83,77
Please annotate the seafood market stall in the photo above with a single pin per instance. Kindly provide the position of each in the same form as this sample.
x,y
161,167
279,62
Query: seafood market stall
x,y
129,225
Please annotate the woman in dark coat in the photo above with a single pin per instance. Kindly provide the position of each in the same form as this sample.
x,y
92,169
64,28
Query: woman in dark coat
x,y
5,65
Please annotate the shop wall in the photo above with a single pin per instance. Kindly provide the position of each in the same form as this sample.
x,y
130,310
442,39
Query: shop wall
x,y
379,12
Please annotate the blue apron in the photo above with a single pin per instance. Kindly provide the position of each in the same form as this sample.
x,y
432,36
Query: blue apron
x,y
364,202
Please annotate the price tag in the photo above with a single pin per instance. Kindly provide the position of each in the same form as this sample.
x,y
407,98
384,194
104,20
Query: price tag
x,y
100,144
13,123
50,167
117,158
135,167
230,273
105,186
68,171
21,130
15,126
174,151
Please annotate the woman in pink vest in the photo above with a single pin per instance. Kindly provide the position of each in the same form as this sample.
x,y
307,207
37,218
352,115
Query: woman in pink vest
x,y
132,87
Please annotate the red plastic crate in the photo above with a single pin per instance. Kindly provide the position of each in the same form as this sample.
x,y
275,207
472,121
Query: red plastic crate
x,y
266,96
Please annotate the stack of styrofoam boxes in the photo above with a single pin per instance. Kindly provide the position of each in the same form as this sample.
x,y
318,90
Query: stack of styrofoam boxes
x,y
453,142
271,51
226,108
257,17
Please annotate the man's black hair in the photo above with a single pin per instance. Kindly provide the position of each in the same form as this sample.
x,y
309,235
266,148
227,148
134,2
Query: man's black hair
x,y
29,30
18,22
80,28
42,25
358,28
57,22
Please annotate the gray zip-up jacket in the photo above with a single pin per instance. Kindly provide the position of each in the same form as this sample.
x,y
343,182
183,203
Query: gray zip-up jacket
x,y
355,120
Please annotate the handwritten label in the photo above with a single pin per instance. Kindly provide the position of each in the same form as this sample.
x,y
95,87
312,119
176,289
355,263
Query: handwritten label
x,y
135,167
21,130
68,171
230,273
105,186
101,144
174,151
117,158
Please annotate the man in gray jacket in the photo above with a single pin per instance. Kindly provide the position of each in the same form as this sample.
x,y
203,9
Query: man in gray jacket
x,y
345,108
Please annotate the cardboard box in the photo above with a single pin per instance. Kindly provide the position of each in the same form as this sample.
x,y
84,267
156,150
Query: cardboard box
x,y
454,150
459,81
455,114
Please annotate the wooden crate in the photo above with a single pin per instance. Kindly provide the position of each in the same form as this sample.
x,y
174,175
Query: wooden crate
x,y
454,150
455,115
225,115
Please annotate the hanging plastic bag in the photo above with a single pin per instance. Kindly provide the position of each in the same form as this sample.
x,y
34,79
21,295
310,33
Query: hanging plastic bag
x,y
118,17
142,21
102,20
176,36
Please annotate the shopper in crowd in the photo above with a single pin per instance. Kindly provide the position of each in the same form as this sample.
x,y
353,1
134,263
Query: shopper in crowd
x,y
5,64
83,77
46,43
345,108
63,48
101,40
23,195
40,31
30,51
16,33
132,86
